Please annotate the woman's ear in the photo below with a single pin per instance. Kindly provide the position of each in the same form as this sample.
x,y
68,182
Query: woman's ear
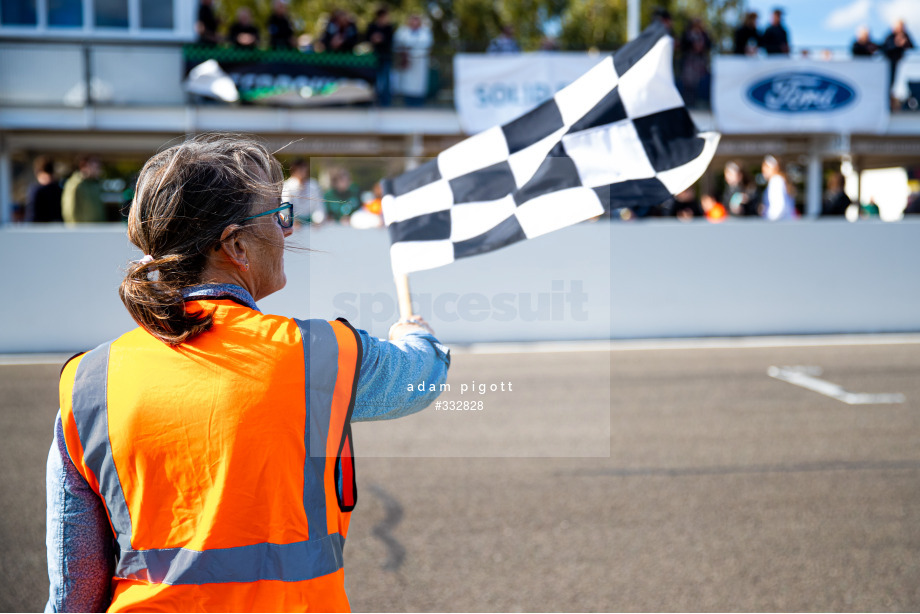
x,y
234,247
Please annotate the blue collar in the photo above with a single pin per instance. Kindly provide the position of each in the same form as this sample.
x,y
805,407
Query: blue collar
x,y
220,291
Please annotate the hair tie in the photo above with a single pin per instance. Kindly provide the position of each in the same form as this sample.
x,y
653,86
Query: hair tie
x,y
147,259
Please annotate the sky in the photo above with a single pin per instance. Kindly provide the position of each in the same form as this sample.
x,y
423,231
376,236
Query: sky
x,y
833,23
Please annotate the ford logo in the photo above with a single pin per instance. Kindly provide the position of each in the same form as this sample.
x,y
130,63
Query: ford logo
x,y
800,93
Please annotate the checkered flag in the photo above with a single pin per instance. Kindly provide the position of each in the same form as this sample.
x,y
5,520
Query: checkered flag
x,y
619,136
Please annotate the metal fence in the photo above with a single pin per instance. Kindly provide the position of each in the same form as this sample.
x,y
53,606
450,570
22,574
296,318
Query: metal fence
x,y
79,74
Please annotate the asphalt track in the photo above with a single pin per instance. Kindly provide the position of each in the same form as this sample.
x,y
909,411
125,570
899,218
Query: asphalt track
x,y
724,489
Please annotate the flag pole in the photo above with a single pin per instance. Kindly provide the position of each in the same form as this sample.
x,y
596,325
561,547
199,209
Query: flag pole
x,y
403,295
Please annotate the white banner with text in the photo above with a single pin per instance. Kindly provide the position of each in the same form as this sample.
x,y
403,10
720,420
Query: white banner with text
x,y
767,95
490,90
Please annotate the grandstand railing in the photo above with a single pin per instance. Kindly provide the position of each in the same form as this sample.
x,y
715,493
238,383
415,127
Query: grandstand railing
x,y
146,73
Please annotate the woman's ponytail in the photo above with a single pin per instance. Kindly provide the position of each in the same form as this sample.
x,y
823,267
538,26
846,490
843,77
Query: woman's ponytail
x,y
157,304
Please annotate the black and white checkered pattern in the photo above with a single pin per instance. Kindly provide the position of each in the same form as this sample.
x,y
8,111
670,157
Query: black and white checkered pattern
x,y
618,136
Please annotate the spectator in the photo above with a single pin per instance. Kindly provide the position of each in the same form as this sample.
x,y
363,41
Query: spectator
x,y
374,203
504,42
747,37
341,33
207,23
775,39
343,198
81,200
913,204
870,209
412,43
835,200
863,45
305,43
43,203
695,45
380,35
548,43
778,199
370,215
740,194
243,33
686,206
897,42
304,193
714,210
280,32
663,16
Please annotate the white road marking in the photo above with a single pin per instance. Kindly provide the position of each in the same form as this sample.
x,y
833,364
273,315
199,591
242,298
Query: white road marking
x,y
805,377
34,359
687,343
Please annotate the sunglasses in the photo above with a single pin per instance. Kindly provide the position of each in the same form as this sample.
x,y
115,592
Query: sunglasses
x,y
284,214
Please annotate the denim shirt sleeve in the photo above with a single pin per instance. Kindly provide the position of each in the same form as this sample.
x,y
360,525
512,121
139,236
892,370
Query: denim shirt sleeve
x,y
388,368
81,555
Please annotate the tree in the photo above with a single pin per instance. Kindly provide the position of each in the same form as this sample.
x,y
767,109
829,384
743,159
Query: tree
x,y
601,24
469,25
593,24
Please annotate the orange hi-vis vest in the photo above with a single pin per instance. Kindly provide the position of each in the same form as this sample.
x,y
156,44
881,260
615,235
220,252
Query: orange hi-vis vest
x,y
225,464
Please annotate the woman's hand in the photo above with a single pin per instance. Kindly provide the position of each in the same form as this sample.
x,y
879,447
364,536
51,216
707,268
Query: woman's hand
x,y
408,325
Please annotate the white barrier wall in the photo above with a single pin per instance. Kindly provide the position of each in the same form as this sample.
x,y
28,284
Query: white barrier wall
x,y
592,281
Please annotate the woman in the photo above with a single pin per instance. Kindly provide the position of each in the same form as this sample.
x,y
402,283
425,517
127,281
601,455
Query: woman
x,y
740,194
203,461
778,197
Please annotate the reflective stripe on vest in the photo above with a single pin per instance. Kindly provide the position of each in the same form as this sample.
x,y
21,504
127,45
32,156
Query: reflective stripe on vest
x,y
287,562
294,562
90,412
322,370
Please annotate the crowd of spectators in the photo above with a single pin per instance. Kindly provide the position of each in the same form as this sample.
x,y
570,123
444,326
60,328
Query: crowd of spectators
x,y
770,195
742,192
694,46
775,40
74,199
78,197
342,203
748,39
401,51
893,47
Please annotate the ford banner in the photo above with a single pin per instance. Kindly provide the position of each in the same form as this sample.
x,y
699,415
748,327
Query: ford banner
x,y
767,95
